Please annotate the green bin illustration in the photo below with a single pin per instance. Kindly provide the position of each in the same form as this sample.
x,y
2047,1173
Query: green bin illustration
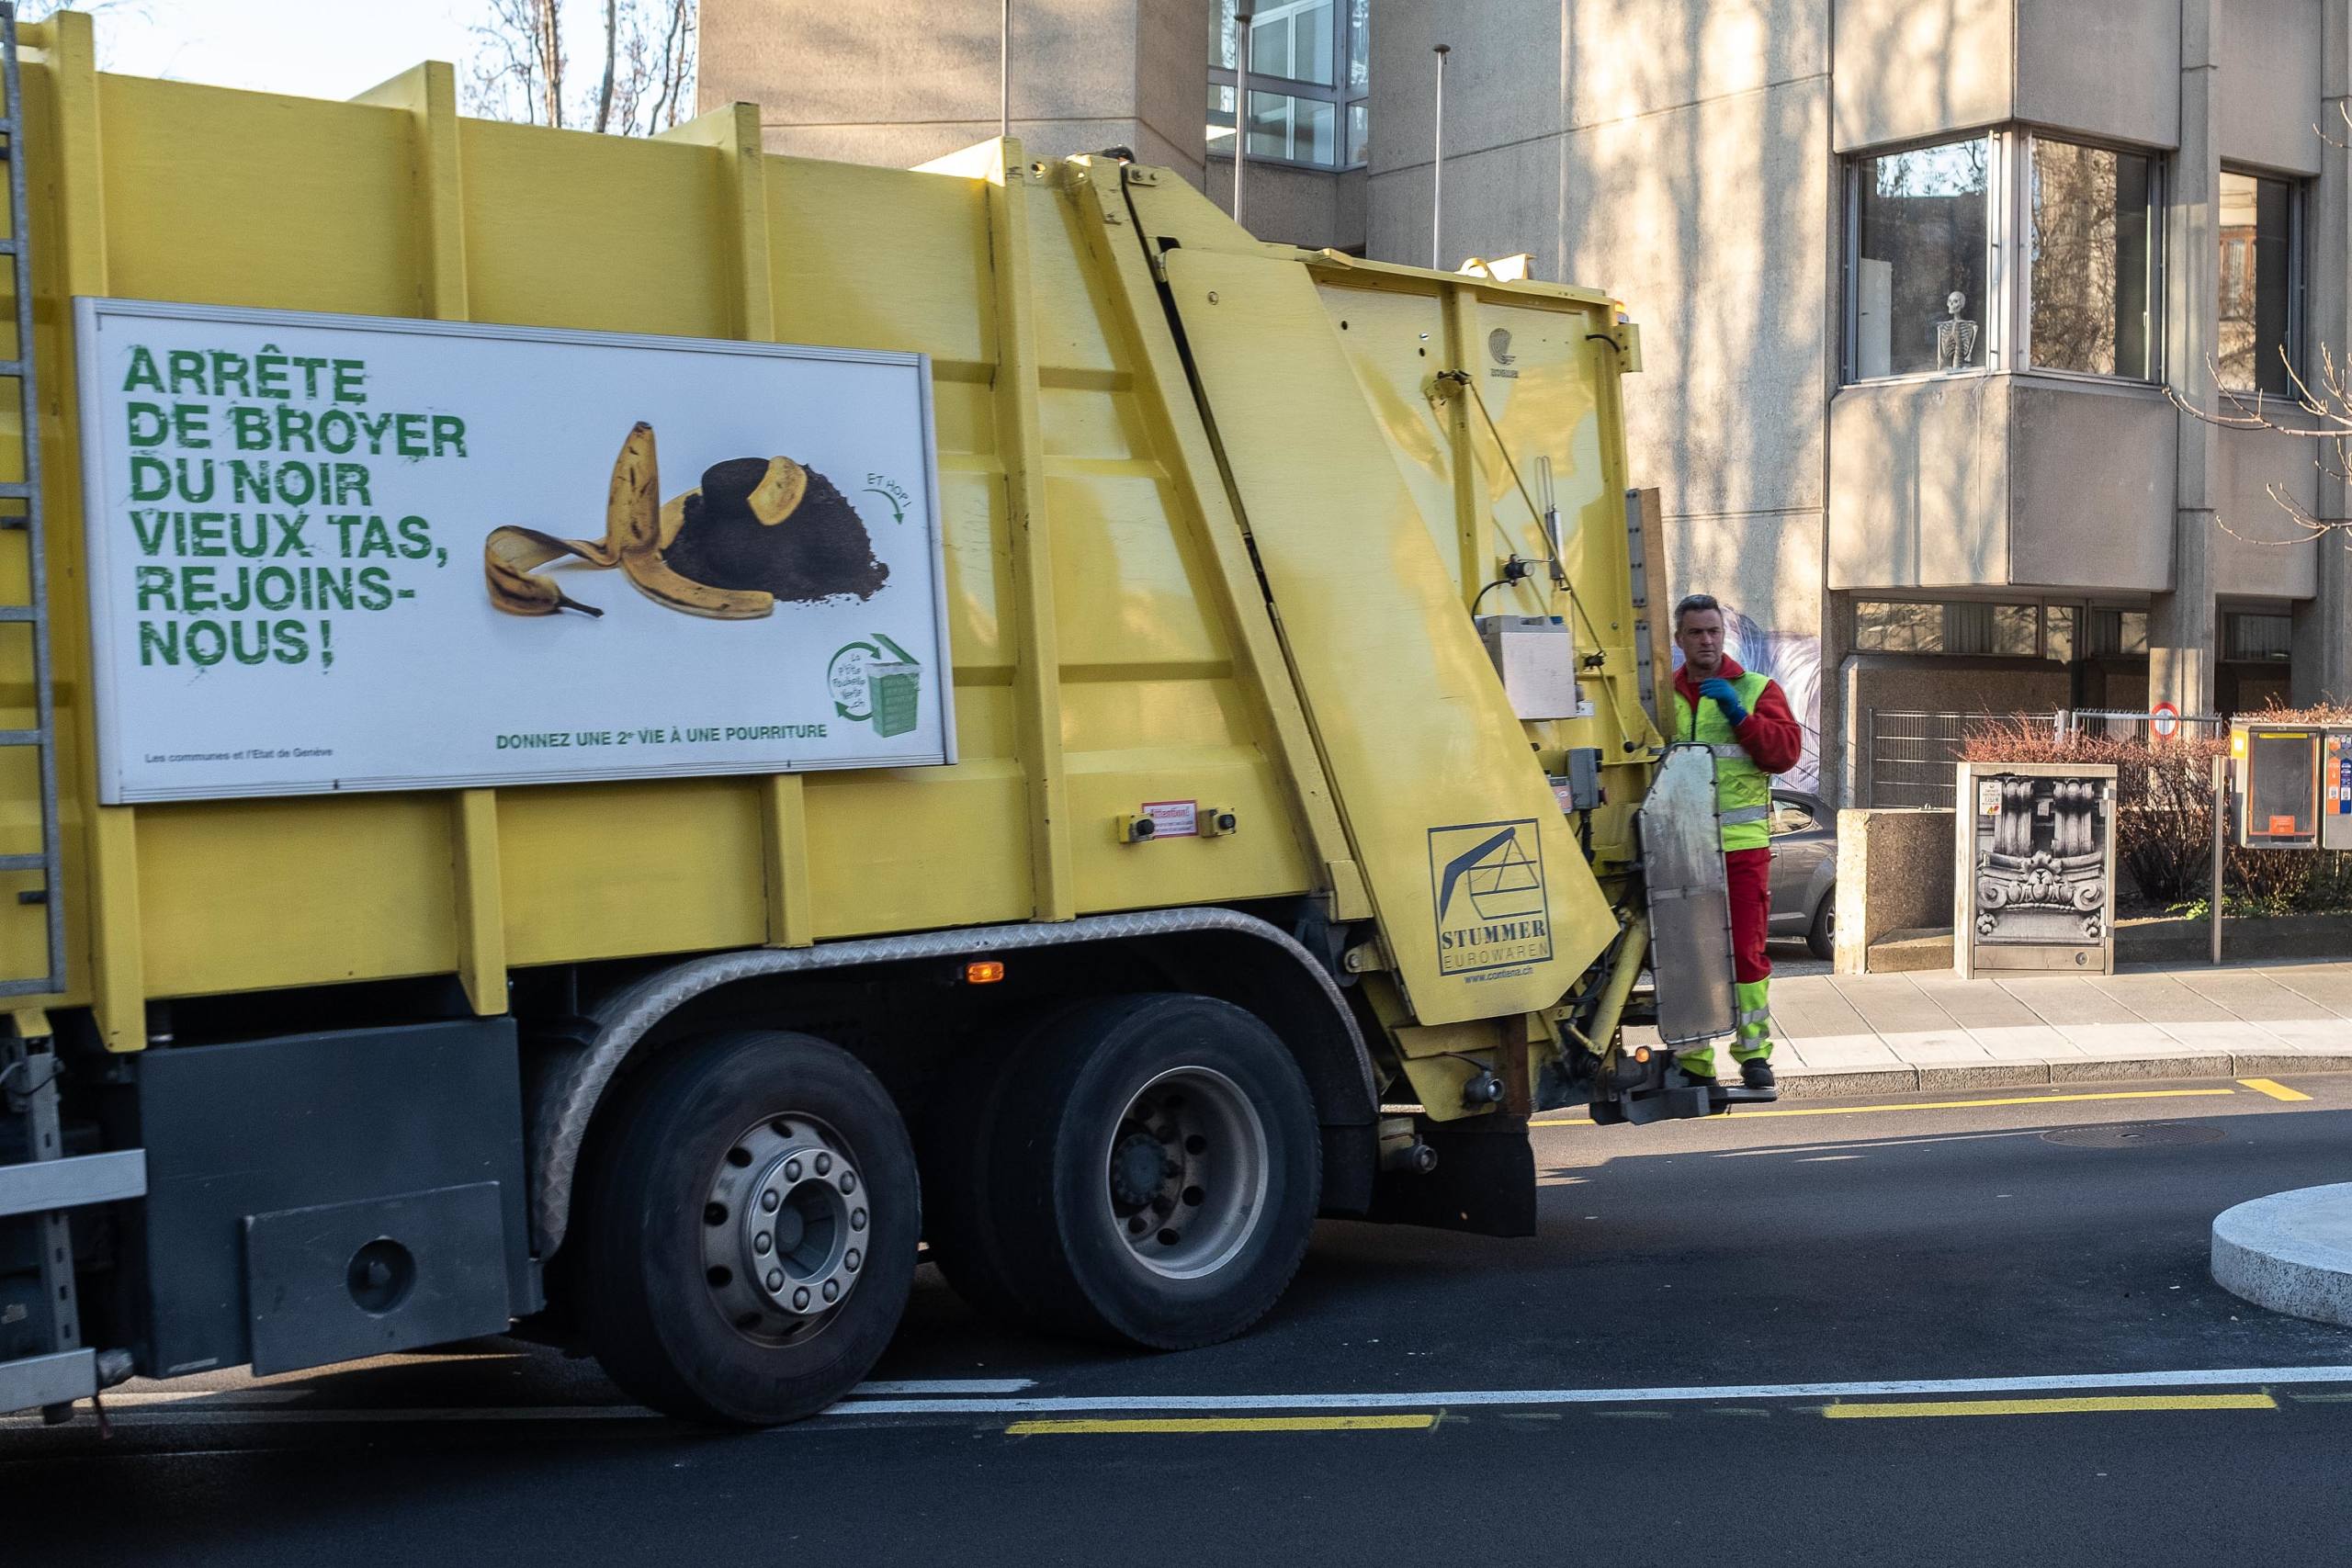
x,y
893,689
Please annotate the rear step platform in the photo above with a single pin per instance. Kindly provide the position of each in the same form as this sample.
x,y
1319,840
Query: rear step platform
x,y
1639,1105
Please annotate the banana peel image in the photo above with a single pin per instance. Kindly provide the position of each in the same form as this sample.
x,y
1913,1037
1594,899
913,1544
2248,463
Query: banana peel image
x,y
757,530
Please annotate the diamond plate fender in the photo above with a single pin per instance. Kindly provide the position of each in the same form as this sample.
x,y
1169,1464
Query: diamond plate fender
x,y
565,1097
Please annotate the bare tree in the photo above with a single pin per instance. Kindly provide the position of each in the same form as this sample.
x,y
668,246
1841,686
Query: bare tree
x,y
2318,410
520,67
104,14
612,39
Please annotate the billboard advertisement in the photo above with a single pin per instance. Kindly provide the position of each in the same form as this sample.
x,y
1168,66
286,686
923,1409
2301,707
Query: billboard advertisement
x,y
336,553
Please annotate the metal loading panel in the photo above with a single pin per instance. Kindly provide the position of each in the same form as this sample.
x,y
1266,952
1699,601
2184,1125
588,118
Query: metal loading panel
x,y
1485,902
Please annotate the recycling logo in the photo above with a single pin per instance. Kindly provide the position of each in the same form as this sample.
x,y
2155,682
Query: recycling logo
x,y
876,681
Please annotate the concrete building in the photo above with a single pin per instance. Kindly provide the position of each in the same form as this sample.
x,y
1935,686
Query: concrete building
x,y
1915,280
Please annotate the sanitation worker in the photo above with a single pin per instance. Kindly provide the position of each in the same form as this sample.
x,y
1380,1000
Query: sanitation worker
x,y
1741,716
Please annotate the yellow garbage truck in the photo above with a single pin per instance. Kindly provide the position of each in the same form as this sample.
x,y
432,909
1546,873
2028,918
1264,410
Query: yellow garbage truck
x,y
1136,743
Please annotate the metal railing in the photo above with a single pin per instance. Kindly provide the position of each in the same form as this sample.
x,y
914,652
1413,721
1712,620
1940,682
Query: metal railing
x,y
1910,755
2133,724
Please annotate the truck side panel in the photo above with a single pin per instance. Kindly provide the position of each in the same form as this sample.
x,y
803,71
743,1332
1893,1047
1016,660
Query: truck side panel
x,y
186,193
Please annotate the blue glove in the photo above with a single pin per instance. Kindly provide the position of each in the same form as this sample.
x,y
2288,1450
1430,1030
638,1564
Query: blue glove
x,y
1726,696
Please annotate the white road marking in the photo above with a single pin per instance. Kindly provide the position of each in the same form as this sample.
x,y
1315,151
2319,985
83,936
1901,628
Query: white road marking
x,y
198,1407
1385,1400
1824,1159
203,1416
1877,1144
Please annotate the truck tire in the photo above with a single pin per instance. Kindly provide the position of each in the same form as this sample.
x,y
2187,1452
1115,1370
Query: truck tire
x,y
1154,1171
748,1229
955,1145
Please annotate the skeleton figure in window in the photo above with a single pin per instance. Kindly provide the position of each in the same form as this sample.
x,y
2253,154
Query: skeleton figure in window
x,y
1955,339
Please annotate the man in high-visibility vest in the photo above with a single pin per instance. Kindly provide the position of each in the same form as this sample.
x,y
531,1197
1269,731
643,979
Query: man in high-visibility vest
x,y
1741,716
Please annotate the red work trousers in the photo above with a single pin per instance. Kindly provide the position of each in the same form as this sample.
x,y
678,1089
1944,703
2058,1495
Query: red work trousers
x,y
1748,874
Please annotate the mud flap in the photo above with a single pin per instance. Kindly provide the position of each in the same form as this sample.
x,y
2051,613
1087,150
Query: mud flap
x,y
1483,1181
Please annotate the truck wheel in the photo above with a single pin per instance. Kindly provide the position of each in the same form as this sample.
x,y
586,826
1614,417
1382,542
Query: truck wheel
x,y
748,1230
1155,1167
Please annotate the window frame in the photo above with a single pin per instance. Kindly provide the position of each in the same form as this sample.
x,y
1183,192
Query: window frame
x,y
2020,197
2042,604
2231,615
1995,255
1341,93
2298,189
2006,315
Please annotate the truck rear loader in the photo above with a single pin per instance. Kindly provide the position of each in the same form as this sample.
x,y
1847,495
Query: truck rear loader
x,y
1067,741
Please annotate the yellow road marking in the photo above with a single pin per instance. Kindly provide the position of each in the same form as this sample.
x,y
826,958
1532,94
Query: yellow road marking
x,y
2071,1407
1953,1104
2276,1091
1227,1424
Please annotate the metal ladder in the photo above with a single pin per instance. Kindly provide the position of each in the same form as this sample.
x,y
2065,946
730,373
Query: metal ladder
x,y
43,1182
34,614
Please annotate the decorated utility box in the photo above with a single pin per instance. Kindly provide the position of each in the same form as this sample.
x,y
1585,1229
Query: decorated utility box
x,y
2034,883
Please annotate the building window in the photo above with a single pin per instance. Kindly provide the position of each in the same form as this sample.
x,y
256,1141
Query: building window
x,y
2092,252
1310,80
2116,634
1937,280
1921,238
2261,284
1884,625
2058,632
2267,639
1957,627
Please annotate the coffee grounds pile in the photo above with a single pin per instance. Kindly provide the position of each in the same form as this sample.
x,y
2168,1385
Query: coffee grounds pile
x,y
821,551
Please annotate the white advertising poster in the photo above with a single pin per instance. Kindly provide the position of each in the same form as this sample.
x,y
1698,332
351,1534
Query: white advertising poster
x,y
350,553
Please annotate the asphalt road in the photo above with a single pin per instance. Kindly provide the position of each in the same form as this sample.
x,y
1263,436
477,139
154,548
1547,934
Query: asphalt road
x,y
1641,1384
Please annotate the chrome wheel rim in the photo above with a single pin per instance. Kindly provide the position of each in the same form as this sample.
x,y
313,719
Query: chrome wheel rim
x,y
785,1228
1185,1172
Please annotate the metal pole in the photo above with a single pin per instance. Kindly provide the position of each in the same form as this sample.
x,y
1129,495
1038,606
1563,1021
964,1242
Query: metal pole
x,y
1004,71
2220,820
1241,21
1437,162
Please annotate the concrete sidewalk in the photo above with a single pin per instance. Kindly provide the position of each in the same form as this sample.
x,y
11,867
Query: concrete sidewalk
x,y
1882,1033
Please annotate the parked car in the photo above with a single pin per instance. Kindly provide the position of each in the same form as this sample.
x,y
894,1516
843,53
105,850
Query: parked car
x,y
1804,870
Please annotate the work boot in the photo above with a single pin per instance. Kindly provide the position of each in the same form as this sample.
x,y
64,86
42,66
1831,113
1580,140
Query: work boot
x,y
1756,1073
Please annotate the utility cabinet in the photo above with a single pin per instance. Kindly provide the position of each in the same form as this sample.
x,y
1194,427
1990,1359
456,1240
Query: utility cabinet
x,y
2034,882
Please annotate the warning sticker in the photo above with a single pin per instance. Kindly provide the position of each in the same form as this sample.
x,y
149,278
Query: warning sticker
x,y
1173,819
2282,828
1487,883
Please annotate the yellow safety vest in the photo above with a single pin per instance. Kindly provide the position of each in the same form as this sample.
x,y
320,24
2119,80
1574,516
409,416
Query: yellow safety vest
x,y
1743,790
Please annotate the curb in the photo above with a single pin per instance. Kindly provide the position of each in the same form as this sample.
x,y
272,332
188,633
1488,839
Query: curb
x,y
2290,1252
1801,1084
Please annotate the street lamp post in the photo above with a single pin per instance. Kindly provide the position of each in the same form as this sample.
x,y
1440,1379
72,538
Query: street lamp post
x,y
1243,18
1437,162
1004,71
